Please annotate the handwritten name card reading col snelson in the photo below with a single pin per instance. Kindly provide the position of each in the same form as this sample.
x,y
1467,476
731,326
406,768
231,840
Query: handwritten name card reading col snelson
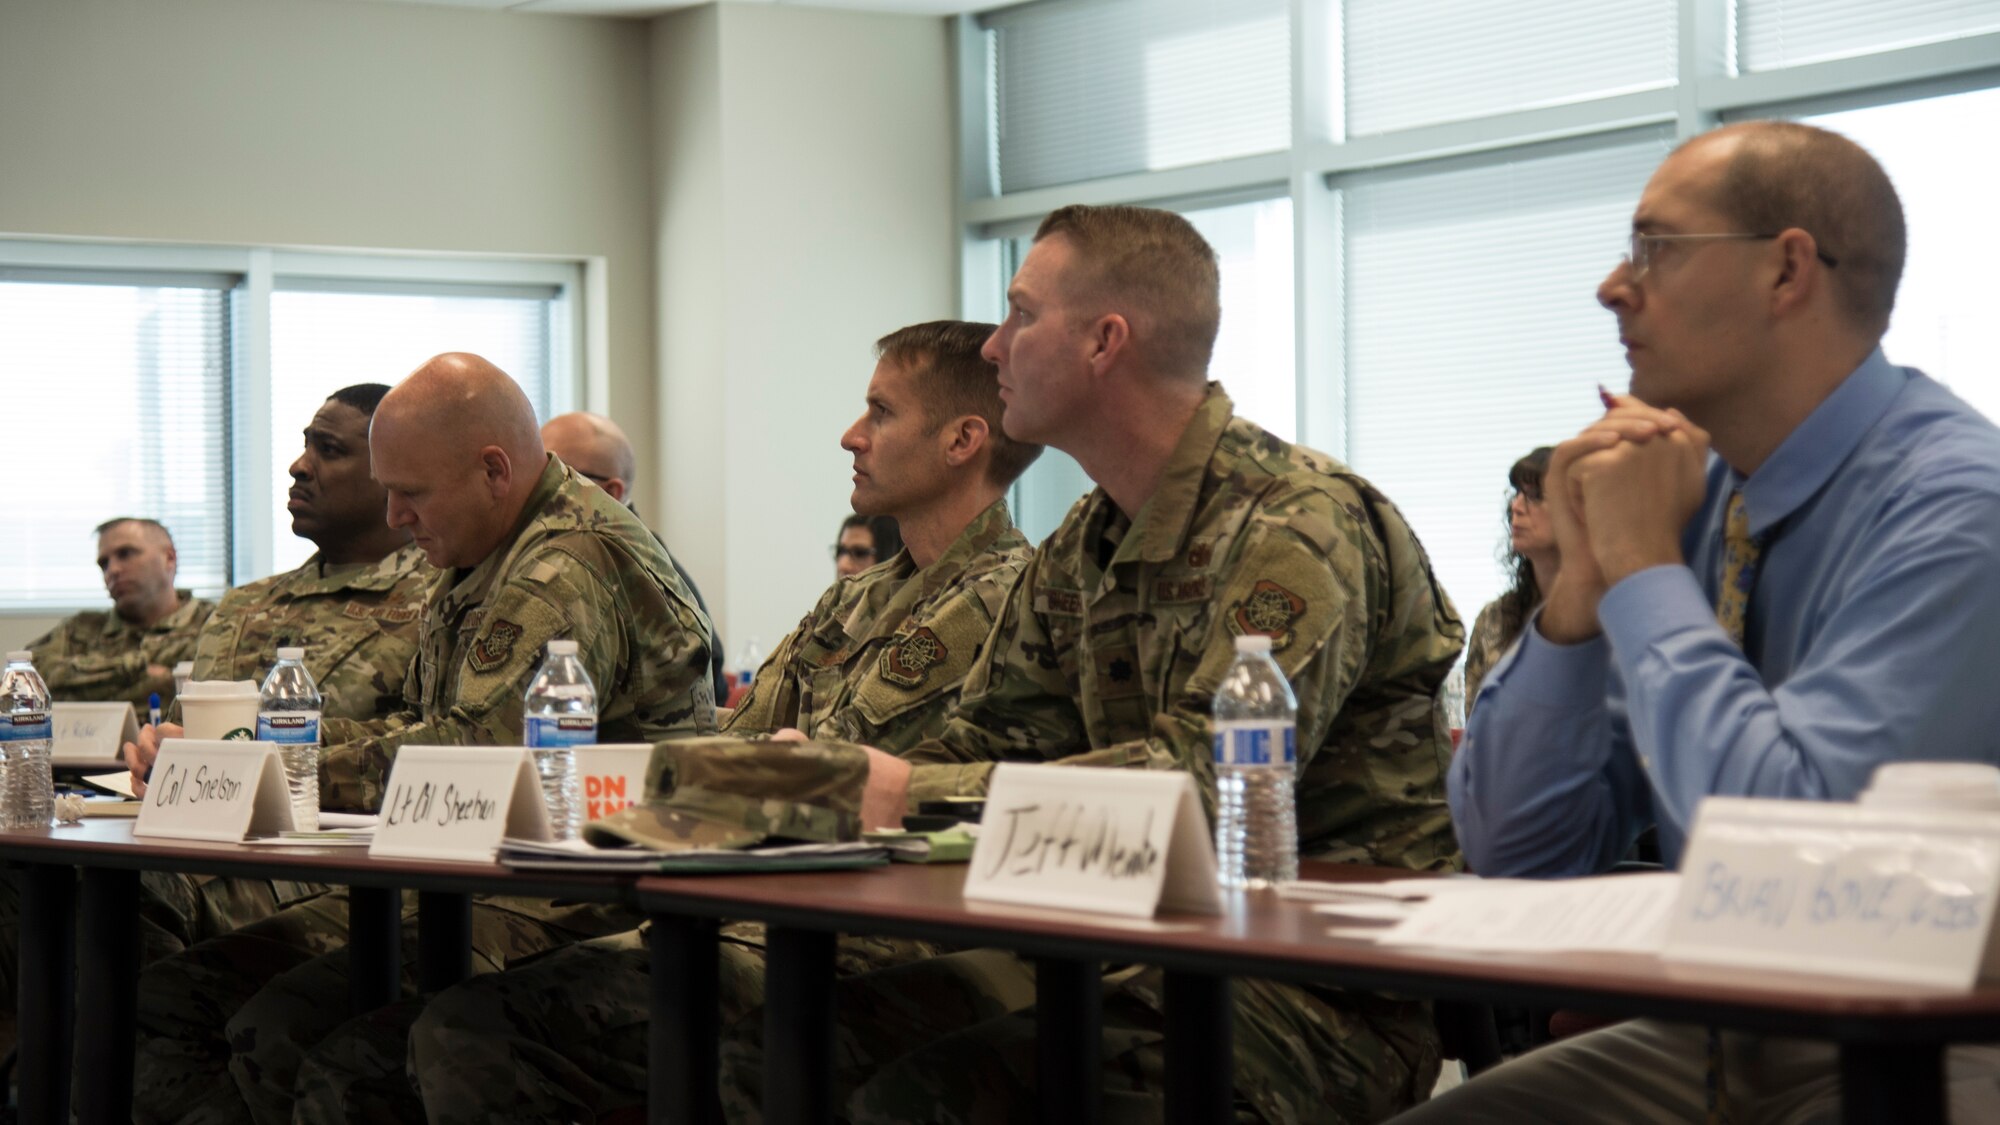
x,y
202,790
456,802
1106,841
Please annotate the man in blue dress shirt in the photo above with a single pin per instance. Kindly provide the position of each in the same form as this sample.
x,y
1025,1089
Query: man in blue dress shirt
x,y
1818,597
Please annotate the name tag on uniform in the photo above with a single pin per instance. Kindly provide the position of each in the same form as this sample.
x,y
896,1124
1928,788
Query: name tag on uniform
x,y
1849,890
457,802
612,775
92,735
201,790
1106,841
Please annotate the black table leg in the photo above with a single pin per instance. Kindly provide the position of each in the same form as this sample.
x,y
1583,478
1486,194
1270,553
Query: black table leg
x,y
798,1027
1201,1055
45,995
444,939
108,988
374,947
1900,1082
1069,1022
683,1039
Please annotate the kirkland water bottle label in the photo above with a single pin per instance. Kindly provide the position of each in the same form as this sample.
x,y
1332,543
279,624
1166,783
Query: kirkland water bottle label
x,y
565,730
293,727
1263,745
24,725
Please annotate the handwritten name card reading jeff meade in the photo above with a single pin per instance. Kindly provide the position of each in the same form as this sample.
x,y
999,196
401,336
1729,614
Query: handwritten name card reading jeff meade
x,y
456,802
1821,887
1107,841
202,790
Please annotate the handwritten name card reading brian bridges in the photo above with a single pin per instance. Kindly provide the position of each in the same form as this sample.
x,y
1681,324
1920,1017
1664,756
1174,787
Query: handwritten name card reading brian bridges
x,y
456,802
1107,841
202,790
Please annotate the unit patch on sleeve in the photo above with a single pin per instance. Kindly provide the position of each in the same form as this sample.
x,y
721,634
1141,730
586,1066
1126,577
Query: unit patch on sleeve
x,y
1269,609
493,649
906,662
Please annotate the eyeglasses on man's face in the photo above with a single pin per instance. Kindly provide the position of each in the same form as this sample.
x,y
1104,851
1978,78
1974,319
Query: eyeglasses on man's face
x,y
1644,248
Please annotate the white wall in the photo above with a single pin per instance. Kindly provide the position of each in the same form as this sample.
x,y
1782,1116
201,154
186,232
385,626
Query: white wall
x,y
806,161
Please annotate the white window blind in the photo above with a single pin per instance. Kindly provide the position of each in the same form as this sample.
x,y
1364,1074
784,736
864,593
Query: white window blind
x,y
1473,331
327,335
1944,308
1423,62
1256,347
1093,88
1772,34
117,388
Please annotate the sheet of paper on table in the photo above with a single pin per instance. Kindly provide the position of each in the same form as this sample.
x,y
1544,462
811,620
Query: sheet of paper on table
x,y
1608,914
119,783
577,855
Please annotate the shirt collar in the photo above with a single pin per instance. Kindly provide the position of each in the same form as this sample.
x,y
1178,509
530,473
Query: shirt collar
x,y
470,589
1807,458
1160,528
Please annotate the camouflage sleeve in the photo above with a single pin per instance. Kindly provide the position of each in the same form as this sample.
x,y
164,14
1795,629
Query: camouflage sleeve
x,y
1298,573
76,671
1482,650
772,703
518,621
1015,705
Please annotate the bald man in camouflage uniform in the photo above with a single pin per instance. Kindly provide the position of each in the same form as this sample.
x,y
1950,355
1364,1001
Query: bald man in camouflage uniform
x,y
126,653
555,558
879,658
1204,527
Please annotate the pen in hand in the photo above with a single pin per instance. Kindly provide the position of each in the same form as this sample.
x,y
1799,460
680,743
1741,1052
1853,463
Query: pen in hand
x,y
153,708
1609,400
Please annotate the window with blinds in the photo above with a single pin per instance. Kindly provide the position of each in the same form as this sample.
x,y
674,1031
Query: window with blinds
x,y
1423,62
327,335
118,394
1472,329
1773,34
1089,88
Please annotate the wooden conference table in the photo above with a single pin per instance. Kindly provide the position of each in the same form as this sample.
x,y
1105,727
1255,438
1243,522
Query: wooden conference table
x,y
1891,1037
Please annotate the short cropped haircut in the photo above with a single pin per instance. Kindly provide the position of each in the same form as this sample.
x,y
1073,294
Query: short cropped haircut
x,y
364,397
1153,268
156,525
1785,174
954,380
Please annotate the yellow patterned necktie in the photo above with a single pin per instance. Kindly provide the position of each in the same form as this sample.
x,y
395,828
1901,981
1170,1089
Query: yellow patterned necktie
x,y
1740,553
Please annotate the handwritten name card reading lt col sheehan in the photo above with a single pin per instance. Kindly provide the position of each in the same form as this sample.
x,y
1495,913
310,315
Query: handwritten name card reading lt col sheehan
x,y
201,790
457,802
1844,889
1107,841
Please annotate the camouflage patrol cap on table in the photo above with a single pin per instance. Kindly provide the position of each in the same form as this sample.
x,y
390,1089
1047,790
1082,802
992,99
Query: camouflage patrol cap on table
x,y
737,793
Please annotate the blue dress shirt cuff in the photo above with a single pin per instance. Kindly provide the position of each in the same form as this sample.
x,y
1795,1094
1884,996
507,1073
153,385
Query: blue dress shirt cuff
x,y
1649,606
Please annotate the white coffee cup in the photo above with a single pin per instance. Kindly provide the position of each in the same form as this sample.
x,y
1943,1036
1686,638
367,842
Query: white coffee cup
x,y
220,709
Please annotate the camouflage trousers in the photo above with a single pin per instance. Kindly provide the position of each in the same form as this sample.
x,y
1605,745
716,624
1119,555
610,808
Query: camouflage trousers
x,y
175,911
559,1038
226,1025
1302,1055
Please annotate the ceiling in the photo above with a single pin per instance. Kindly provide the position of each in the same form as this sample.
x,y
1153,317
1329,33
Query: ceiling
x,y
644,8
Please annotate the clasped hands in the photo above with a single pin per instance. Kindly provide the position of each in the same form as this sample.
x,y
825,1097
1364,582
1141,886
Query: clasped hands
x,y
1619,495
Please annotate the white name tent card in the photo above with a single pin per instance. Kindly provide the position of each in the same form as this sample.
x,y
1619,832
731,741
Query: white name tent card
x,y
1893,894
457,802
202,790
611,775
1106,841
92,735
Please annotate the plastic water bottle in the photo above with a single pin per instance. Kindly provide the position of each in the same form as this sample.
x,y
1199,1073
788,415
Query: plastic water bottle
x,y
748,659
560,711
1256,733
27,790
288,714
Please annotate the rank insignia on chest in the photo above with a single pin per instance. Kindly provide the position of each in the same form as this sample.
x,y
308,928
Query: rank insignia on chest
x,y
1271,610
493,649
393,614
906,662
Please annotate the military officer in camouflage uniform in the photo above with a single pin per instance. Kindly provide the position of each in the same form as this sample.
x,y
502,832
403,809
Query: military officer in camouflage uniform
x,y
1203,527
525,552
128,653
879,658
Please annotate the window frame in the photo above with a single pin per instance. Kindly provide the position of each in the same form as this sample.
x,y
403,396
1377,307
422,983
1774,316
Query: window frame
x,y
578,361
